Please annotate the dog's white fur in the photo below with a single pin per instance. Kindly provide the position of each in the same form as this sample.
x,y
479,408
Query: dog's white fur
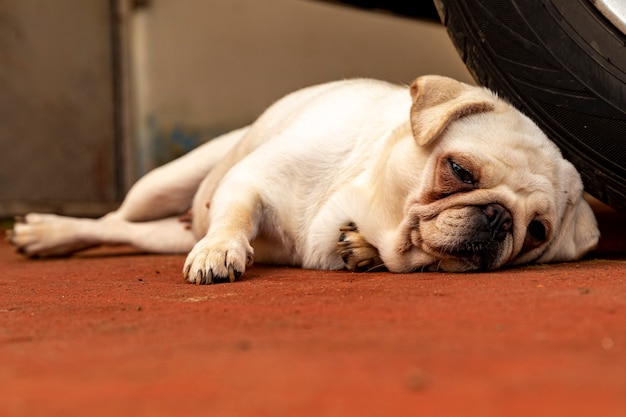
x,y
410,167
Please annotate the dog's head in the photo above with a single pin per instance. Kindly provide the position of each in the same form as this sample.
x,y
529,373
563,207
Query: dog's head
x,y
496,190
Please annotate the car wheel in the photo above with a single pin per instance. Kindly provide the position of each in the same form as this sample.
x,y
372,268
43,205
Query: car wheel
x,y
563,63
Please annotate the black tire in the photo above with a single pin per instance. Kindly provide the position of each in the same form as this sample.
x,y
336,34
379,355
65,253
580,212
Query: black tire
x,y
564,65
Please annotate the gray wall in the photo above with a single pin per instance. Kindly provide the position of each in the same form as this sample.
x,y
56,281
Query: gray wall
x,y
57,143
205,67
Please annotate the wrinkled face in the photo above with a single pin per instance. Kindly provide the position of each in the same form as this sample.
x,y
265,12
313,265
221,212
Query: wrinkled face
x,y
495,190
498,192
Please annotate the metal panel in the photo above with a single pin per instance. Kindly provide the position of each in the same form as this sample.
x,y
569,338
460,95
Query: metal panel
x,y
57,129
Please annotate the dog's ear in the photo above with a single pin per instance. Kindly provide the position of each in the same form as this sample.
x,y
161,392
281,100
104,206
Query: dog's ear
x,y
437,101
578,232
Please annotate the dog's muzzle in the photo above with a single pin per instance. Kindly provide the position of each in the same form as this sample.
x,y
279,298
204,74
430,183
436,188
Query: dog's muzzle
x,y
482,246
470,238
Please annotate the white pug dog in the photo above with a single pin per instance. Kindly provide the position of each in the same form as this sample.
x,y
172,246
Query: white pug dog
x,y
437,176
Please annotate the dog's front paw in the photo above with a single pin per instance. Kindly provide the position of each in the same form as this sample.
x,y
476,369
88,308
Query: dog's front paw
x,y
218,259
358,254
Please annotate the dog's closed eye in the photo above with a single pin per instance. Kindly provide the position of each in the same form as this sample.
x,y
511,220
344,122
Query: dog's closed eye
x,y
454,175
462,174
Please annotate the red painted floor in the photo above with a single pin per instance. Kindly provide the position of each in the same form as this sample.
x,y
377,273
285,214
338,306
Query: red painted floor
x,y
115,333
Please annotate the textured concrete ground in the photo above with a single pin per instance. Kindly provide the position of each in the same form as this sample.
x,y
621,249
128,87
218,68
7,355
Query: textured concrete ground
x,y
116,333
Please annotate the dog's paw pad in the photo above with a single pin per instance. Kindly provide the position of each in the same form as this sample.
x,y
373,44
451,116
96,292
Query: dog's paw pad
x,y
356,253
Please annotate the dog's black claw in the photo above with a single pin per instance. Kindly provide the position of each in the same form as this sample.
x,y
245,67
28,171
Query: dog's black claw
x,y
217,279
350,227
342,237
345,256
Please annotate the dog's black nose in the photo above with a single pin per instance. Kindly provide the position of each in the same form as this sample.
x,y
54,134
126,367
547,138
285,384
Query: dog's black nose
x,y
500,220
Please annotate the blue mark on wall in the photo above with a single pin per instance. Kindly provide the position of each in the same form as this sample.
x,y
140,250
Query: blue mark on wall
x,y
161,145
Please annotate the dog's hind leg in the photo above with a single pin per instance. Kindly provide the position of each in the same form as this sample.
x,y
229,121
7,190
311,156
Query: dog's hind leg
x,y
45,235
146,219
169,190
